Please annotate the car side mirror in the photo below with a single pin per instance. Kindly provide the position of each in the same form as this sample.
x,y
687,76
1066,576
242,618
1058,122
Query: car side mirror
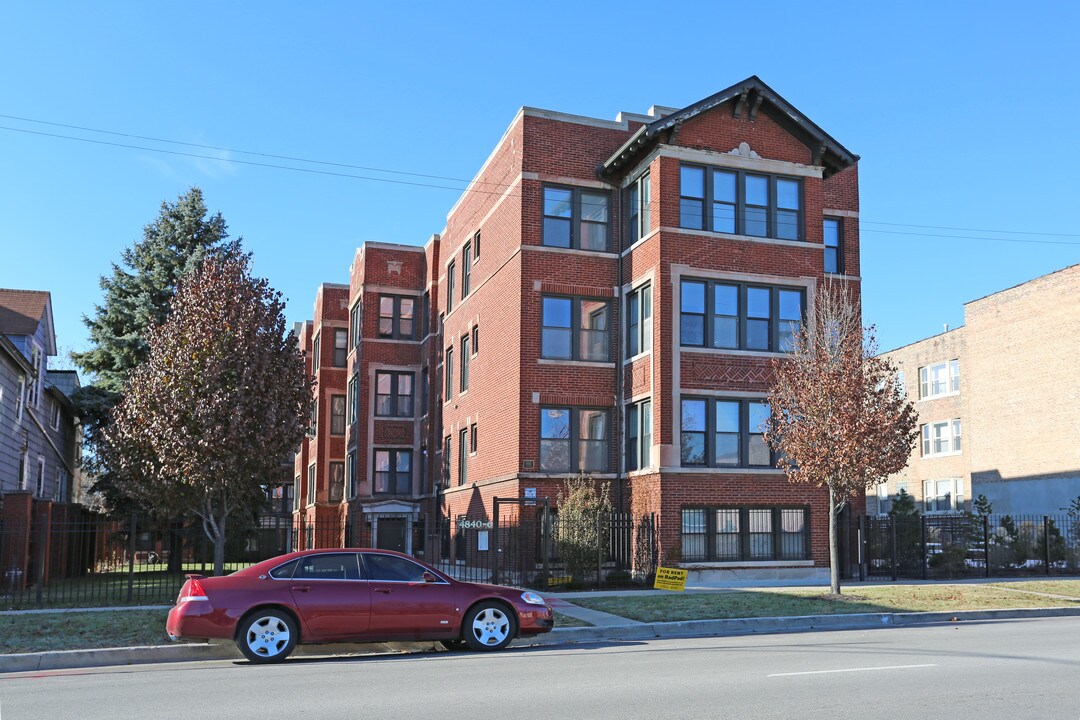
x,y
430,577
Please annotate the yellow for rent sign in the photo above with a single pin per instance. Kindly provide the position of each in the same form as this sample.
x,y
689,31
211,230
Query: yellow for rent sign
x,y
670,579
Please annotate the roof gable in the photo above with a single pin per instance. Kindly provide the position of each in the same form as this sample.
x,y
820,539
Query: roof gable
x,y
750,96
22,312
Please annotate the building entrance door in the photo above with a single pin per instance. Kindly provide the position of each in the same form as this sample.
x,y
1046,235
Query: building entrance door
x,y
390,534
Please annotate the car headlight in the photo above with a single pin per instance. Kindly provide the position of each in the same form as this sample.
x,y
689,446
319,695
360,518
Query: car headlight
x,y
532,598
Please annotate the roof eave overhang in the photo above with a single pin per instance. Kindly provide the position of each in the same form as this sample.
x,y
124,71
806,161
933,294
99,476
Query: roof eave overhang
x,y
827,152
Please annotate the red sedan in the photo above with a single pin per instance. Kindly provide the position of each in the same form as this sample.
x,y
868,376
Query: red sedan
x,y
323,596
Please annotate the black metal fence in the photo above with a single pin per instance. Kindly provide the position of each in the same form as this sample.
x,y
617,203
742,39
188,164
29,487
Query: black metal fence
x,y
537,549
963,545
96,561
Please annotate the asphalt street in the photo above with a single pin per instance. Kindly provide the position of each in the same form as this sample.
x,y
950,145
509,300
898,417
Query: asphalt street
x,y
1005,669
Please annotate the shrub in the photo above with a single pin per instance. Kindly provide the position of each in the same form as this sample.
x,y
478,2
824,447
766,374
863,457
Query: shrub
x,y
583,508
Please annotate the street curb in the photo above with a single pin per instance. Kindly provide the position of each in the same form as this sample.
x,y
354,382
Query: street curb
x,y
190,652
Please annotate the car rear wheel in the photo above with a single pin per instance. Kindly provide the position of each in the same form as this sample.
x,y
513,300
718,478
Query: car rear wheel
x,y
267,636
489,626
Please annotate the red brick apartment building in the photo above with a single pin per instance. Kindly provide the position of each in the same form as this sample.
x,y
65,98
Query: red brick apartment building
x,y
606,297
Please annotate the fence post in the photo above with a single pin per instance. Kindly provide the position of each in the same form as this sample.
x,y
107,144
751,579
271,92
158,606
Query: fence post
x,y
131,559
43,539
925,564
1046,542
599,550
545,543
864,547
986,543
892,549
496,546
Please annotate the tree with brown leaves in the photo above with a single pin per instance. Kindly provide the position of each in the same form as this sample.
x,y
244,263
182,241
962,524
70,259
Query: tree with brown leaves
x,y
221,398
838,417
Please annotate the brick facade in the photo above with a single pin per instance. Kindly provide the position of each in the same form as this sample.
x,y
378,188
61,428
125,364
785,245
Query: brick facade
x,y
516,387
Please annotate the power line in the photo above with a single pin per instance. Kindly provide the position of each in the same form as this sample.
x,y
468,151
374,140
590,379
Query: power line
x,y
468,183
231,150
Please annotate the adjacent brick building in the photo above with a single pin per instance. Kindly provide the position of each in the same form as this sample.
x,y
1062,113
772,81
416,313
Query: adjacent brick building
x,y
607,297
1010,428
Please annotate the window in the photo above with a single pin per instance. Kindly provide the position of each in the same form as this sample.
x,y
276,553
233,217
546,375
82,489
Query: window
x,y
393,472
40,477
731,534
740,203
341,348
639,311
472,439
423,469
54,418
466,269
451,268
475,339
574,439
354,324
425,314
639,435
575,218
311,484
834,246
396,317
725,433
37,359
943,495
476,246
464,363
296,497
639,209
941,438
337,414
354,400
448,368
390,568
576,329
315,418
424,380
446,461
20,395
338,566
463,456
316,351
337,481
24,468
738,316
350,473
940,379
393,394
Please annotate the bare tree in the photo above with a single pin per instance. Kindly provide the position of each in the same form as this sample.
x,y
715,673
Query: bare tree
x,y
838,418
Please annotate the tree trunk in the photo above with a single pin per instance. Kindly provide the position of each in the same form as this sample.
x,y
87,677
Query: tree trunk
x,y
834,545
176,546
219,546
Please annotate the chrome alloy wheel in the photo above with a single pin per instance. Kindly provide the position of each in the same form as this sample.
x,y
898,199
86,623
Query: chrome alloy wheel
x,y
267,636
491,627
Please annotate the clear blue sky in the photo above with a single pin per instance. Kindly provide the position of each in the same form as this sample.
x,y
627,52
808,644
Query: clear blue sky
x,y
964,115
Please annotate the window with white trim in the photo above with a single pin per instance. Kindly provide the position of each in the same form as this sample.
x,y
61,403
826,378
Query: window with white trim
x,y
939,379
943,495
639,319
941,438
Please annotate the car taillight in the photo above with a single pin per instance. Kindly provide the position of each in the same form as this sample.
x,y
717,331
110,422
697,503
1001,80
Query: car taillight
x,y
193,590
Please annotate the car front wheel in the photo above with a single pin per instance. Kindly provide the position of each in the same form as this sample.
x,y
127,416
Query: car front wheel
x,y
489,626
267,636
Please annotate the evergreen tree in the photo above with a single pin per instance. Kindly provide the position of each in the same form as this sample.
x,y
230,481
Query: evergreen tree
x,y
136,297
139,293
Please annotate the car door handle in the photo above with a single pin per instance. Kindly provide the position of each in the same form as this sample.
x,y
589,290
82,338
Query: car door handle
x,y
301,588
384,590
